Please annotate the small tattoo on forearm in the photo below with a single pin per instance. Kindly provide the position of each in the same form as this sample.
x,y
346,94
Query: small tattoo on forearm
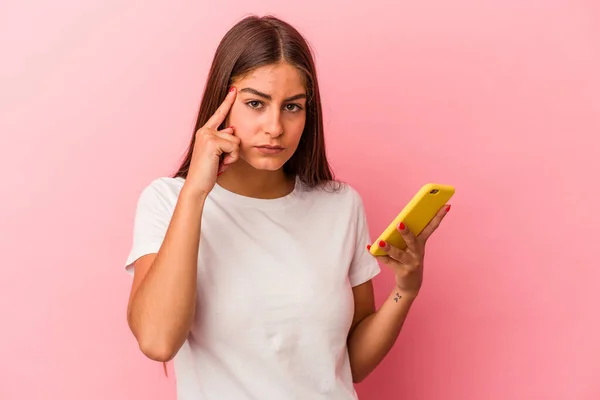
x,y
398,297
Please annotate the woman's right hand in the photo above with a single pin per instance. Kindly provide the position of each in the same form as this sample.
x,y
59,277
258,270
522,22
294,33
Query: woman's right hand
x,y
214,150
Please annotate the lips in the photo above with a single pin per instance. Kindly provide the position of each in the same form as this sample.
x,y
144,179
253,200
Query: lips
x,y
268,149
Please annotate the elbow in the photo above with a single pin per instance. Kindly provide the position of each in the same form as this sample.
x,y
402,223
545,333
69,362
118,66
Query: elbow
x,y
358,374
152,344
356,378
155,346
157,350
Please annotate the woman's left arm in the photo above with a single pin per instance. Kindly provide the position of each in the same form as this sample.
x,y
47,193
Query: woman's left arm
x,y
373,333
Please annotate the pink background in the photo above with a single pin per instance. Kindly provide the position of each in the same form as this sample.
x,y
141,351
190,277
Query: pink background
x,y
500,98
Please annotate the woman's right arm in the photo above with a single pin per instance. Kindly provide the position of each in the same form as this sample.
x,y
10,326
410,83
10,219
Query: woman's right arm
x,y
162,301
163,294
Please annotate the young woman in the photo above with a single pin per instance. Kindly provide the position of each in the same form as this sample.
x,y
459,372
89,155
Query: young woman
x,y
251,263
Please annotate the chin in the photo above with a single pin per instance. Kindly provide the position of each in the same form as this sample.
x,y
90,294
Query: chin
x,y
270,165
267,163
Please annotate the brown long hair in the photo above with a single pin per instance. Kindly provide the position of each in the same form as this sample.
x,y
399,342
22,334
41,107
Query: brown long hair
x,y
252,43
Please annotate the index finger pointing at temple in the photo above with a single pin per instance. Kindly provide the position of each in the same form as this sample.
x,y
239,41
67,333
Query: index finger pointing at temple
x,y
219,116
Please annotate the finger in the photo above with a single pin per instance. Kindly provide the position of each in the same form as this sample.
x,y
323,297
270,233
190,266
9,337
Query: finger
x,y
228,135
386,260
395,264
228,131
409,238
435,222
219,116
229,151
224,133
231,157
229,147
393,252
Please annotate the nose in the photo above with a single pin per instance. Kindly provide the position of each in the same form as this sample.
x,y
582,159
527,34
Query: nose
x,y
273,126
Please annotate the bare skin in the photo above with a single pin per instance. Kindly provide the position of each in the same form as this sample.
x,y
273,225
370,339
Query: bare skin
x,y
265,112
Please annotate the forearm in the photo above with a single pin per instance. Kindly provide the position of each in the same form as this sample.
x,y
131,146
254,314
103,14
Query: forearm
x,y
163,306
374,336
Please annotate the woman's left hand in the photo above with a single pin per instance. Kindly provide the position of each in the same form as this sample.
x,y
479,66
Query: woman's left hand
x,y
407,264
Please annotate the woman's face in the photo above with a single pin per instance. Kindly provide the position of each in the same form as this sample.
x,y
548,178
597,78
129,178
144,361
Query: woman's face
x,y
268,115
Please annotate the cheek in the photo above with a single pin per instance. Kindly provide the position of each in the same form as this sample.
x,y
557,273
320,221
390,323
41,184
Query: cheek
x,y
294,128
241,118
236,114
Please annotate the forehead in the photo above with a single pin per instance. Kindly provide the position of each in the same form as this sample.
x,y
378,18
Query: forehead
x,y
277,80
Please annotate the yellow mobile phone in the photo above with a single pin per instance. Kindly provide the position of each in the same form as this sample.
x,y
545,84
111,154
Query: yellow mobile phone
x,y
416,215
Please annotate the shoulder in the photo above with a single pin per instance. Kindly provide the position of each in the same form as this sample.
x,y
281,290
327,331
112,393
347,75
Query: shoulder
x,y
162,191
164,185
340,195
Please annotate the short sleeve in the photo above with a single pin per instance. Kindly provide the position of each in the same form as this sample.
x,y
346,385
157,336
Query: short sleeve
x,y
364,266
152,217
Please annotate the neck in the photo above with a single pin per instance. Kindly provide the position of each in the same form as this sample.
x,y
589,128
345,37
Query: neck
x,y
242,179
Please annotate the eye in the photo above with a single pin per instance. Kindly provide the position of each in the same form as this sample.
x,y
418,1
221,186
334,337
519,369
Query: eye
x,y
254,104
293,107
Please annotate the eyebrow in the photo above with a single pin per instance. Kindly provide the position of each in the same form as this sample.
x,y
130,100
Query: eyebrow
x,y
268,96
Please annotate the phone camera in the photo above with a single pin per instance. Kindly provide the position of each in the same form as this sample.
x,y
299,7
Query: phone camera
x,y
434,191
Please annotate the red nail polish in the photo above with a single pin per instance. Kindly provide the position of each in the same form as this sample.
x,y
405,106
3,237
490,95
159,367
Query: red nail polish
x,y
401,226
448,208
368,247
381,243
232,89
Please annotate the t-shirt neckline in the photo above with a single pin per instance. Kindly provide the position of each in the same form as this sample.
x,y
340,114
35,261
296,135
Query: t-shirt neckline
x,y
220,192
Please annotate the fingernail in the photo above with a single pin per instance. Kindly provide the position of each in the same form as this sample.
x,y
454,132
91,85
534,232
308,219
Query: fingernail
x,y
448,208
401,226
232,89
381,244
368,247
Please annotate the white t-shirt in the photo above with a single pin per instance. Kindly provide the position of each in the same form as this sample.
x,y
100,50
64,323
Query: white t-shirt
x,y
274,291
